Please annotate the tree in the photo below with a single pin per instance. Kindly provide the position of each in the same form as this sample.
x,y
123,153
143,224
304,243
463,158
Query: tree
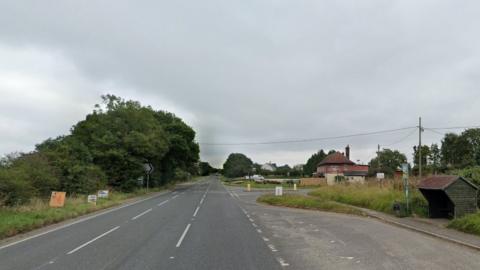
x,y
434,160
205,169
283,170
237,165
312,163
387,161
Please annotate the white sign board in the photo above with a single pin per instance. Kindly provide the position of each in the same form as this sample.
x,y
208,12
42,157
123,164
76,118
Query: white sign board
x,y
103,194
278,191
92,199
380,176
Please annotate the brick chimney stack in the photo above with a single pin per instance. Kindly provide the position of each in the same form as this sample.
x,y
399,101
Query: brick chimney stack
x,y
347,152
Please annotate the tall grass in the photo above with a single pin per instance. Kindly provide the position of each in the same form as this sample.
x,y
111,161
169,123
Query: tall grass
x,y
38,213
372,197
307,202
468,224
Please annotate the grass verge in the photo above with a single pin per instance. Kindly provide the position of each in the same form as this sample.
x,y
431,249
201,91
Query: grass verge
x,y
253,184
372,197
468,224
307,202
36,214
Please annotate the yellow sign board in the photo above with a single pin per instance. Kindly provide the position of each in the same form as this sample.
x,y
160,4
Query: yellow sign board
x,y
57,199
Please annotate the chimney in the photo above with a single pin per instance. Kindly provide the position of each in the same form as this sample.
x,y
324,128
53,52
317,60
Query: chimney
x,y
347,152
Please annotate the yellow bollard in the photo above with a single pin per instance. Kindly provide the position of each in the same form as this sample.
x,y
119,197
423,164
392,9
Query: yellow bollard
x,y
248,187
295,187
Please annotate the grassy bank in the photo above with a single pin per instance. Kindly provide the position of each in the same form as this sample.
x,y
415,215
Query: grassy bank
x,y
253,184
468,224
307,202
36,214
371,197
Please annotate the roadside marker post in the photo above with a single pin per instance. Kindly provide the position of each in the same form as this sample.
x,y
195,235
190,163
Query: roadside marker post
x,y
249,187
295,187
278,191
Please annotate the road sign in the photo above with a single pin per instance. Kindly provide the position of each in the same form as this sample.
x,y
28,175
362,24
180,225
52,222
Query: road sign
x,y
380,176
278,191
92,199
103,194
57,199
148,167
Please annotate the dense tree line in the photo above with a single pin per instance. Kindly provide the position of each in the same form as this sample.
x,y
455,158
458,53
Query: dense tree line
x,y
107,149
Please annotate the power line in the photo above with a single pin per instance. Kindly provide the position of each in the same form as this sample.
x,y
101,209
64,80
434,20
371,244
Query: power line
x,y
402,139
310,139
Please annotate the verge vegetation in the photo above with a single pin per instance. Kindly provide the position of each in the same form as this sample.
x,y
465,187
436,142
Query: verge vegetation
x,y
372,197
307,202
37,213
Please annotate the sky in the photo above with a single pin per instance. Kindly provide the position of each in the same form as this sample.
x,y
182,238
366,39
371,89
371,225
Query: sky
x,y
245,71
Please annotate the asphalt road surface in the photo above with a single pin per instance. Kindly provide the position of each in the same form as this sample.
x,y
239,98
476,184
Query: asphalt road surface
x,y
208,226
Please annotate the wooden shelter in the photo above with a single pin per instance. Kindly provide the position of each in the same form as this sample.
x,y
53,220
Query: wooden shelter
x,y
449,196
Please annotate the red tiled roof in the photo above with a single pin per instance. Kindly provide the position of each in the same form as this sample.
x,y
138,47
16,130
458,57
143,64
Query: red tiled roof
x,y
437,182
336,158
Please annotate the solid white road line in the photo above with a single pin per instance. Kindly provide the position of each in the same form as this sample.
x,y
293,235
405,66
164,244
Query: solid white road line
x,y
78,221
174,196
143,213
162,203
196,211
93,240
179,243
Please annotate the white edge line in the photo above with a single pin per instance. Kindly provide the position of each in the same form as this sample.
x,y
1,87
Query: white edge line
x,y
76,222
179,243
143,213
93,240
196,211
174,196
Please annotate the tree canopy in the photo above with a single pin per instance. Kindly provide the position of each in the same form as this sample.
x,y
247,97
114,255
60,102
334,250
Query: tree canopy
x,y
237,165
108,148
312,163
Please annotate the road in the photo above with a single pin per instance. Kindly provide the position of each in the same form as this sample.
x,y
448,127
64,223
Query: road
x,y
208,226
197,227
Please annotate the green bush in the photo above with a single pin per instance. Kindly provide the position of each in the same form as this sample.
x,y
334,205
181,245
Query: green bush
x,y
468,224
14,189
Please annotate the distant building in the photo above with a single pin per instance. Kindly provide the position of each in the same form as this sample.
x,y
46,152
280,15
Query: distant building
x,y
269,167
338,167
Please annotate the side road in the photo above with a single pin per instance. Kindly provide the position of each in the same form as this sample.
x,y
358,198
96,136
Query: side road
x,y
434,228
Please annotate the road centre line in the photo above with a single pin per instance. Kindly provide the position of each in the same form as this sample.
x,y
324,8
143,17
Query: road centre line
x,y
141,214
174,196
179,243
93,240
201,201
196,211
162,203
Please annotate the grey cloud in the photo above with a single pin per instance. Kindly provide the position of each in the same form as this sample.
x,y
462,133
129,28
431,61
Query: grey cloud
x,y
268,70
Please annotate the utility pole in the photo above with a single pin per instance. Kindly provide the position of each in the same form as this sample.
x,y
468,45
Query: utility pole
x,y
420,130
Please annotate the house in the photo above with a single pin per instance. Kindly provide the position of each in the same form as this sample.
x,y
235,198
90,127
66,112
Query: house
x,y
271,167
449,196
338,167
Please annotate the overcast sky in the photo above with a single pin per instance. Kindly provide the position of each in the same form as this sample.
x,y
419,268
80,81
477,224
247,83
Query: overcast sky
x,y
245,71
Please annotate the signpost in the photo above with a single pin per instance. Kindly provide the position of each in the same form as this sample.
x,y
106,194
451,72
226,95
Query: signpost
x,y
405,184
57,199
92,199
148,167
278,191
103,194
